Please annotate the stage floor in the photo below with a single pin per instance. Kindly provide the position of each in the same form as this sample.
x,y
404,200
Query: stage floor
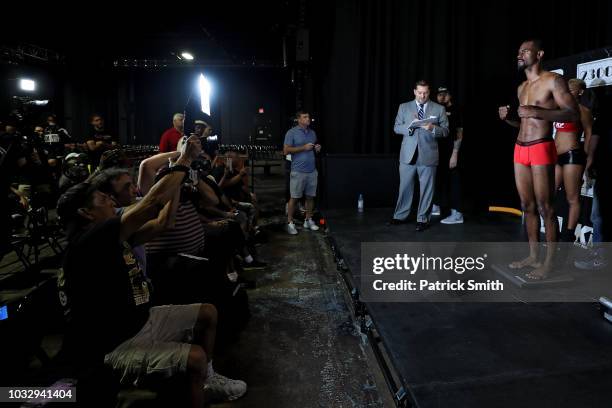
x,y
483,354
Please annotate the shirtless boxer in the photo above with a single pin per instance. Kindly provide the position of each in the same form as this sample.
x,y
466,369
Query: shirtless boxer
x,y
543,98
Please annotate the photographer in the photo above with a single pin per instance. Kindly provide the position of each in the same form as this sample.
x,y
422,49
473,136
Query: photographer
x,y
233,177
56,140
99,140
12,159
221,217
118,184
74,170
33,175
210,144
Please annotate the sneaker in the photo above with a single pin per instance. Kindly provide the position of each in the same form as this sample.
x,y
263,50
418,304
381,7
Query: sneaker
x,y
591,264
233,276
255,264
220,388
435,210
454,218
246,284
291,229
310,224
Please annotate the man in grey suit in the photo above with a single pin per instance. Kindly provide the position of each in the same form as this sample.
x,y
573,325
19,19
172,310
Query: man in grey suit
x,y
419,153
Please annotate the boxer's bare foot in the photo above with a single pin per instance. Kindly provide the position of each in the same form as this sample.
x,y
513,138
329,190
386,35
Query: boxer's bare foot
x,y
539,273
529,261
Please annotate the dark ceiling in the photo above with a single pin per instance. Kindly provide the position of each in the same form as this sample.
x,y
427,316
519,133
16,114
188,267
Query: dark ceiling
x,y
224,31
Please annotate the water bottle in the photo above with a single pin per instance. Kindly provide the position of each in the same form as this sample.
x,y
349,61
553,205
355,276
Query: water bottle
x,y
360,203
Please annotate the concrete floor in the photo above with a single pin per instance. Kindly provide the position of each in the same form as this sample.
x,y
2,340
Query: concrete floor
x,y
301,348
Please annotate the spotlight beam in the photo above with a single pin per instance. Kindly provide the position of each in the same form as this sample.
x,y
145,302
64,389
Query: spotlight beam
x,y
205,91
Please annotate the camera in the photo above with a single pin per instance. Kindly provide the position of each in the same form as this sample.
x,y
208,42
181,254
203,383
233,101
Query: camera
x,y
202,166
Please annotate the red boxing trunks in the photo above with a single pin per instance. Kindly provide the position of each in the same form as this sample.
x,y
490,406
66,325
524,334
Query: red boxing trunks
x,y
535,153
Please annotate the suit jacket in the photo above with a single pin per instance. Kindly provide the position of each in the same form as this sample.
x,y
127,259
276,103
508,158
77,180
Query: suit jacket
x,y
424,139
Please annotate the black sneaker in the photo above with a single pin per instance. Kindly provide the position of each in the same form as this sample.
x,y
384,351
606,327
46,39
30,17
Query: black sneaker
x,y
246,283
254,265
260,237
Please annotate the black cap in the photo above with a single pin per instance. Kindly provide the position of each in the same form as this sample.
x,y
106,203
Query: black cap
x,y
443,89
113,158
69,203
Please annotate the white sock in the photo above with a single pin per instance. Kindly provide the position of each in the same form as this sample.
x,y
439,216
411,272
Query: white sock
x,y
210,371
248,259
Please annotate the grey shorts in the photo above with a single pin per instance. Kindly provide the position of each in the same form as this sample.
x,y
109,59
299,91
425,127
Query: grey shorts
x,y
303,183
161,348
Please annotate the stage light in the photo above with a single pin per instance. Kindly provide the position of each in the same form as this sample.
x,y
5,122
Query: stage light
x,y
27,85
205,91
186,55
38,102
261,110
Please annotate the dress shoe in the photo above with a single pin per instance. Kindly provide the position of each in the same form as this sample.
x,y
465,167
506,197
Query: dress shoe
x,y
422,226
395,221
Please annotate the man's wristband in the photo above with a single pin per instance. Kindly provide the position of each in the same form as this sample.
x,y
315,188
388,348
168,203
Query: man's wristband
x,y
177,167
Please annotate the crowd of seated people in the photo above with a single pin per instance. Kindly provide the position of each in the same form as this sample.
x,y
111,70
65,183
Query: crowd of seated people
x,y
153,273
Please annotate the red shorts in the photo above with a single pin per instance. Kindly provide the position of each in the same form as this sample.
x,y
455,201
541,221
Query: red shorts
x,y
537,153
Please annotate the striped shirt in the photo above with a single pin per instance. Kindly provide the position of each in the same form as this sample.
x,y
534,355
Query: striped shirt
x,y
186,237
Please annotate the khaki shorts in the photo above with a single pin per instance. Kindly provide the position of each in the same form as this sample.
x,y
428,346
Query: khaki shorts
x,y
161,348
303,183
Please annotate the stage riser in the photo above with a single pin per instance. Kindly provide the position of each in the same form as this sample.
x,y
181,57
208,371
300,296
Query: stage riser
x,y
346,176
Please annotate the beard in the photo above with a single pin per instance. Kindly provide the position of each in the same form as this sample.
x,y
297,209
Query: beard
x,y
524,66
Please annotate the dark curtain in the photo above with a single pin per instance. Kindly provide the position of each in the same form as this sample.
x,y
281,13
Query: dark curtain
x,y
369,54
139,104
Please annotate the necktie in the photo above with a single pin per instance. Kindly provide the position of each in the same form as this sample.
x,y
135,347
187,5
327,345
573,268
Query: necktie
x,y
421,114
